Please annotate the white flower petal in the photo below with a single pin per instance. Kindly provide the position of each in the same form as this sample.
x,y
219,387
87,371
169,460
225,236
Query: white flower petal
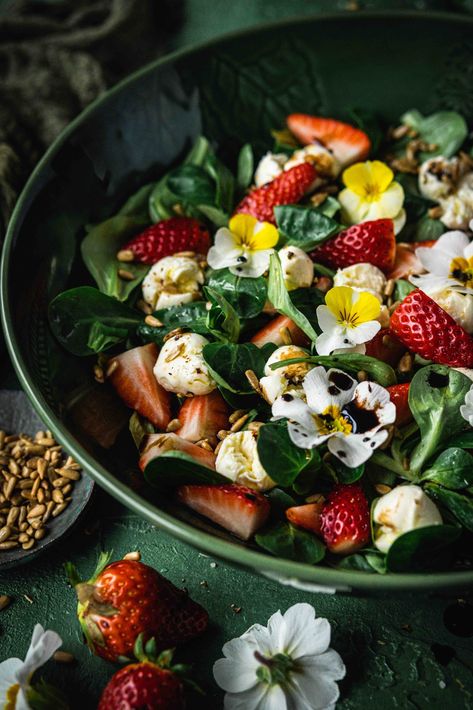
x,y
316,682
304,634
328,389
257,262
8,677
390,202
249,700
452,243
22,701
436,261
355,449
371,396
295,409
220,259
466,409
306,438
42,647
364,332
237,672
325,318
331,340
468,251
399,221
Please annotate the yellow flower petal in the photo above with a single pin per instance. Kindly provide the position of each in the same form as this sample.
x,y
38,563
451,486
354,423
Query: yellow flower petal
x,y
369,179
390,202
366,307
265,236
351,308
354,209
381,175
242,226
251,234
339,301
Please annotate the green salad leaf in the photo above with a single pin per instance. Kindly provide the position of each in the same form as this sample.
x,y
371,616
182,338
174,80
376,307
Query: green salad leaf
x,y
285,467
446,129
285,540
459,504
246,164
222,319
421,549
191,184
352,362
139,428
428,229
191,316
281,300
367,560
228,362
402,289
304,227
452,469
343,473
175,468
435,395
329,207
86,321
247,296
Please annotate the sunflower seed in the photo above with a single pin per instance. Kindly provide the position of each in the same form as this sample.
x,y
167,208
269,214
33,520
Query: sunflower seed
x,y
63,657
4,601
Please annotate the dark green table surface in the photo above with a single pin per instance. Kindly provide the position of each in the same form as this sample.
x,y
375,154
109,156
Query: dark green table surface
x,y
399,652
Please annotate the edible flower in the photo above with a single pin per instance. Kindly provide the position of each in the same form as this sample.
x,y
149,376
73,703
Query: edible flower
x,y
244,247
347,320
16,675
466,409
285,665
348,415
371,193
449,264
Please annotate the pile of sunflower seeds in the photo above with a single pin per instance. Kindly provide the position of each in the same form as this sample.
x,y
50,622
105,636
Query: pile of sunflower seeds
x,y
36,484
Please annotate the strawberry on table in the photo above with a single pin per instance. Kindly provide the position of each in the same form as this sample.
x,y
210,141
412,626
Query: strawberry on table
x,y
276,332
203,416
306,516
400,396
126,598
372,242
168,237
135,383
386,347
426,329
348,144
239,509
346,519
289,187
151,683
158,444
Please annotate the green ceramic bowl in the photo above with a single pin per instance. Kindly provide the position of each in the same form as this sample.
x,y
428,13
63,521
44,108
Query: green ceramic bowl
x,y
232,90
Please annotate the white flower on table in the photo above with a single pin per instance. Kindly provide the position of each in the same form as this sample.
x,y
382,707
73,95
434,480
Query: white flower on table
x,y
16,675
350,416
245,247
286,665
466,409
347,320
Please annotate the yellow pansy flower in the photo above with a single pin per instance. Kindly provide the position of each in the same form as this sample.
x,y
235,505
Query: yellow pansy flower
x,y
371,193
347,320
244,247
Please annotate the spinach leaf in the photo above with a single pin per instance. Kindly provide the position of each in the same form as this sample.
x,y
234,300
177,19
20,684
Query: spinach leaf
x,y
290,459
279,297
452,469
446,129
464,440
175,468
461,506
191,184
306,301
218,217
379,371
371,561
435,395
285,540
86,321
228,362
329,207
191,316
222,318
99,250
247,296
343,473
427,229
402,289
421,548
139,428
280,501
245,166
304,227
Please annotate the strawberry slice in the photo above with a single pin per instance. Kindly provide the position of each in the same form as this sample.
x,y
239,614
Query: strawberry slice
x,y
373,242
306,516
400,396
348,144
273,332
289,187
203,416
158,444
136,384
406,262
240,510
167,238
386,347
425,328
346,519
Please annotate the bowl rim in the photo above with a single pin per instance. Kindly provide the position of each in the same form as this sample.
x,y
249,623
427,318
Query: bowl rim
x,y
231,552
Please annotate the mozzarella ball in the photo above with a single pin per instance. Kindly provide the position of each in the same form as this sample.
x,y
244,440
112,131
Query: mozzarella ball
x,y
287,379
323,160
458,305
269,167
458,208
437,177
297,268
181,367
238,460
403,509
172,281
362,277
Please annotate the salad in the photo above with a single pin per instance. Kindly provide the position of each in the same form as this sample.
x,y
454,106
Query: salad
x,y
293,338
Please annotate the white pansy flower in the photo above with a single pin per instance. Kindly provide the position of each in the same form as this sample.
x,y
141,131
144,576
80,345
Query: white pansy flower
x,y
347,320
350,416
287,378
362,277
404,508
448,263
245,247
269,167
172,281
286,665
16,675
297,268
238,460
466,409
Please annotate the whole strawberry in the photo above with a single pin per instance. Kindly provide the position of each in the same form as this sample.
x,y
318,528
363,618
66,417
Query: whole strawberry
x,y
345,519
289,187
126,598
425,328
370,242
167,238
150,684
